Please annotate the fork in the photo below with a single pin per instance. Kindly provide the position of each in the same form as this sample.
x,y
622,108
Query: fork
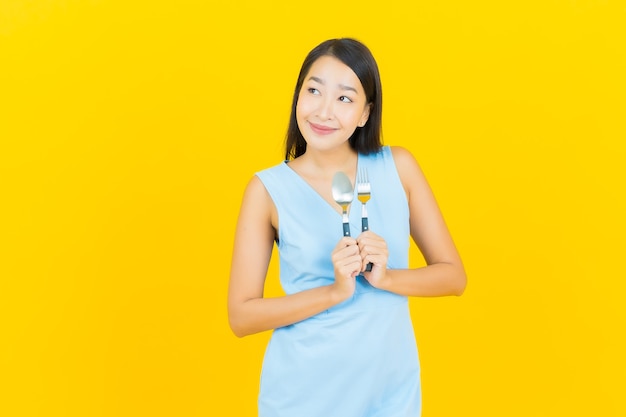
x,y
364,190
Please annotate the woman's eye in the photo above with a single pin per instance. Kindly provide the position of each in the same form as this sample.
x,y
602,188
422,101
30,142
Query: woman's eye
x,y
345,99
313,91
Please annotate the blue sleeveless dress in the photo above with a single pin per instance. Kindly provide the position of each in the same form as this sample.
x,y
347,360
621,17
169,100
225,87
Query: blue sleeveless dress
x,y
358,358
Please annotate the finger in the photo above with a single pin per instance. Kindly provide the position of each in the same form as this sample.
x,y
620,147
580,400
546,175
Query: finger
x,y
347,256
350,268
374,259
371,249
346,241
375,255
371,241
369,234
341,252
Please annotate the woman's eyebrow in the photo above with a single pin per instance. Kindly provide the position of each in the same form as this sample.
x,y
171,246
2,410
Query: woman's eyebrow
x,y
347,87
341,86
316,79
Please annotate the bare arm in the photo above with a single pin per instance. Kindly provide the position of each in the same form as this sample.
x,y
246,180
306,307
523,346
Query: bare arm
x,y
248,311
444,273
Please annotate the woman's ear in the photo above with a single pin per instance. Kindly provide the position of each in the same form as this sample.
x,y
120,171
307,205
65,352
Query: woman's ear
x,y
365,116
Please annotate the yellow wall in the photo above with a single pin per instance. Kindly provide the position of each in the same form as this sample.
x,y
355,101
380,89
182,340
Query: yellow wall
x,y
128,130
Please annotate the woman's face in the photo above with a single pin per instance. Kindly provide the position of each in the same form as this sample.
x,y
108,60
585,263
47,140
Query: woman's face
x,y
331,104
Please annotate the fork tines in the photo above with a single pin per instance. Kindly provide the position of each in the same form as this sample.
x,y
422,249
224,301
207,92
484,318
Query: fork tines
x,y
363,186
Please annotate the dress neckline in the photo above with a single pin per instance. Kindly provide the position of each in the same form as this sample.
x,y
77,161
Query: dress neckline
x,y
332,205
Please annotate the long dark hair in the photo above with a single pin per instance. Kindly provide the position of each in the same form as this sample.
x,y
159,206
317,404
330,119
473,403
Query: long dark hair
x,y
357,56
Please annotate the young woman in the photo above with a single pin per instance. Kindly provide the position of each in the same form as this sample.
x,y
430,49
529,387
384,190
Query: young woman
x,y
343,343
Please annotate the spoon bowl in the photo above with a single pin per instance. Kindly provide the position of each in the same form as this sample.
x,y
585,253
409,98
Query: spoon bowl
x,y
343,193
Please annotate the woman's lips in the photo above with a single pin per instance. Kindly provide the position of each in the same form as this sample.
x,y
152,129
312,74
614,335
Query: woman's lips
x,y
321,129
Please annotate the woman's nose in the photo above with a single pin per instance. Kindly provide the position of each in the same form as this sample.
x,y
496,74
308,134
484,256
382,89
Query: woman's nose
x,y
325,110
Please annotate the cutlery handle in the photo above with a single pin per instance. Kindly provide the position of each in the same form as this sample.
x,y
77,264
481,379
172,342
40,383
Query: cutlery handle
x,y
364,228
346,229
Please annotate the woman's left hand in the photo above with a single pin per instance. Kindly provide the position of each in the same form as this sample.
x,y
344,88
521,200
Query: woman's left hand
x,y
373,248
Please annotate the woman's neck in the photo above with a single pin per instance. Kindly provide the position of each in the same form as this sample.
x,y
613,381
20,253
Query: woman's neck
x,y
329,162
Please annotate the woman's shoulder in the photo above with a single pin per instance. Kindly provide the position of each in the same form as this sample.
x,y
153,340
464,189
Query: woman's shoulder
x,y
401,154
399,157
408,168
272,169
258,183
404,159
398,153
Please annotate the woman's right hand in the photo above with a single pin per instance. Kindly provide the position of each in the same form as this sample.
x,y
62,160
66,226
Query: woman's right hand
x,y
347,263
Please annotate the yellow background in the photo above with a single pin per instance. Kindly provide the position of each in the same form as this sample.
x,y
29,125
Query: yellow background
x,y
128,130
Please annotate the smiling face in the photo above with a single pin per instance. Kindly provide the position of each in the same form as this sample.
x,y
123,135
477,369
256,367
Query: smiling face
x,y
331,104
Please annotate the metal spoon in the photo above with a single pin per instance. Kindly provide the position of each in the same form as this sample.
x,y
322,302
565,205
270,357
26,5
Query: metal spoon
x,y
343,193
